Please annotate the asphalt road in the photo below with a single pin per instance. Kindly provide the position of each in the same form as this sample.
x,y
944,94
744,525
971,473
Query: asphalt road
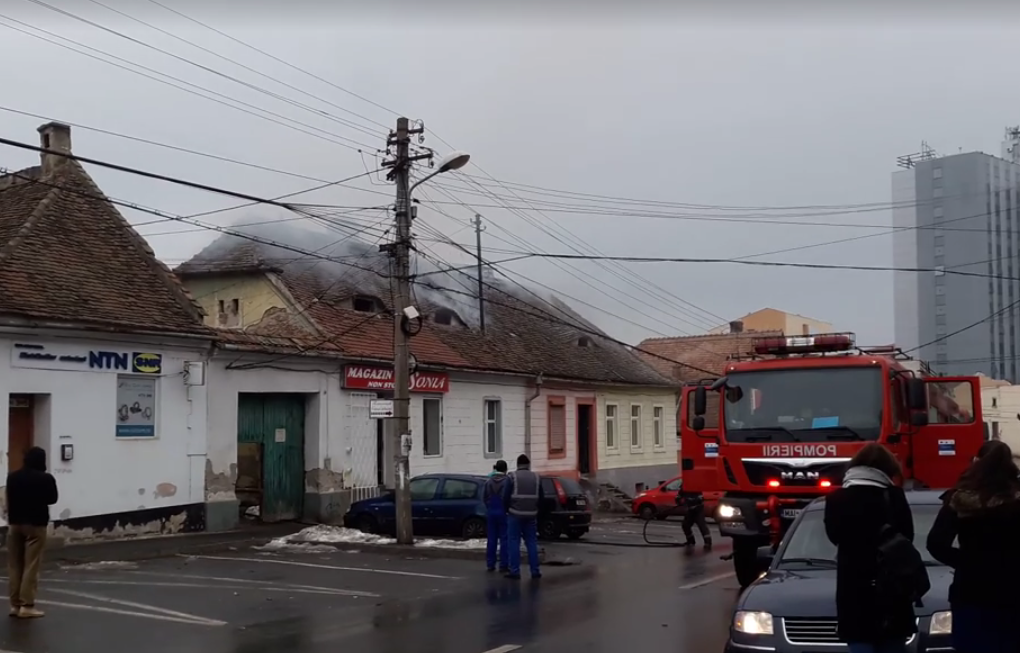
x,y
313,601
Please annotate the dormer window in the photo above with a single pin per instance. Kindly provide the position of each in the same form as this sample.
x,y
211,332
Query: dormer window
x,y
584,341
367,304
446,317
229,313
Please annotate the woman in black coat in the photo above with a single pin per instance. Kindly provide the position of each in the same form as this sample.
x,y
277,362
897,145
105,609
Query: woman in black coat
x,y
854,517
983,512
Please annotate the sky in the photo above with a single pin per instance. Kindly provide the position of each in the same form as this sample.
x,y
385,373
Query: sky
x,y
710,126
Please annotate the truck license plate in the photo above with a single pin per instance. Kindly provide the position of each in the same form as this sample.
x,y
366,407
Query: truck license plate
x,y
790,513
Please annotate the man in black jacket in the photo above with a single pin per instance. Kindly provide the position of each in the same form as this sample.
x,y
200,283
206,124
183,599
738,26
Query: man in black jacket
x,y
31,491
695,516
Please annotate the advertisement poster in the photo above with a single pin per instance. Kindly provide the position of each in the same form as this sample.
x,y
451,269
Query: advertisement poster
x,y
136,407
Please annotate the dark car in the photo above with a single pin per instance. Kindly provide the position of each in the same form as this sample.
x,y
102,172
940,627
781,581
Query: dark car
x,y
441,504
565,510
792,607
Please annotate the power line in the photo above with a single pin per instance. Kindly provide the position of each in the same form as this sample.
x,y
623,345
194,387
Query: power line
x,y
983,320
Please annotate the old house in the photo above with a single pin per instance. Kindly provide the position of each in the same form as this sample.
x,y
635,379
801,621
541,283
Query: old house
x,y
306,345
101,352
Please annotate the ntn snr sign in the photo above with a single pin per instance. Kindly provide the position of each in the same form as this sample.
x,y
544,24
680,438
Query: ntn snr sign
x,y
366,377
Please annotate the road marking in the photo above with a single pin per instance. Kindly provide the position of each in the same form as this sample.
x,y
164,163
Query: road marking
x,y
249,581
147,615
142,606
707,581
290,590
502,649
294,563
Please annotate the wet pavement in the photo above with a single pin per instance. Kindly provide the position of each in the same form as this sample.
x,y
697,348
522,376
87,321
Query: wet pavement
x,y
316,600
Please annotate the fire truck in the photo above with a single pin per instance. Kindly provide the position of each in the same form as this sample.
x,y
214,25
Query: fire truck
x,y
778,428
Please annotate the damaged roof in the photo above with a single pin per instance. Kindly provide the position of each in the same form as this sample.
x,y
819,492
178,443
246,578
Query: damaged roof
x,y
525,333
67,255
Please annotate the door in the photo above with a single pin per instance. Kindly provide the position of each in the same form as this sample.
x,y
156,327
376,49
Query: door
x,y
459,500
20,430
423,498
699,451
277,421
584,422
945,447
363,438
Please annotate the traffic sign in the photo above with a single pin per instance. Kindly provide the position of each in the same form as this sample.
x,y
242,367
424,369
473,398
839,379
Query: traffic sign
x,y
380,408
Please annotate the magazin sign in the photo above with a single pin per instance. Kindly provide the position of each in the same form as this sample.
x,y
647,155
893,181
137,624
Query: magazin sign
x,y
360,377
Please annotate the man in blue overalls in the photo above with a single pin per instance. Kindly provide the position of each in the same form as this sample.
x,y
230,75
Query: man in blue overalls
x,y
495,523
522,496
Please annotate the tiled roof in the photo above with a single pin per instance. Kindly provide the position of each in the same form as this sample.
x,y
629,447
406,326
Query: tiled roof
x,y
66,254
524,334
707,353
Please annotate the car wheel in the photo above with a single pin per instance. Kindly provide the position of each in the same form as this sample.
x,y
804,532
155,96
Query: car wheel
x,y
576,535
473,529
646,511
365,523
548,529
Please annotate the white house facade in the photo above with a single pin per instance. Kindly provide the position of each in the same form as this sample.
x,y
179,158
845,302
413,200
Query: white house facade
x,y
122,420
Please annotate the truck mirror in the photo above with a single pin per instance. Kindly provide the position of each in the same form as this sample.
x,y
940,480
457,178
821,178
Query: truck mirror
x,y
919,419
700,402
698,423
917,394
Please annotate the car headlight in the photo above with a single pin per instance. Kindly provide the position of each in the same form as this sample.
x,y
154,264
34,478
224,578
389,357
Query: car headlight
x,y
941,624
753,623
729,512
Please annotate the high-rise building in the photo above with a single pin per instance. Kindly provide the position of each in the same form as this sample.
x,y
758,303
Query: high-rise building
x,y
959,215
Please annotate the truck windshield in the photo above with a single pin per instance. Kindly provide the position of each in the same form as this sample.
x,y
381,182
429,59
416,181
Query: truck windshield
x,y
804,405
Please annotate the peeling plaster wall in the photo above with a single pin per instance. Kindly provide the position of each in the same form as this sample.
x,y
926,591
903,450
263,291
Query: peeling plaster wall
x,y
110,475
319,381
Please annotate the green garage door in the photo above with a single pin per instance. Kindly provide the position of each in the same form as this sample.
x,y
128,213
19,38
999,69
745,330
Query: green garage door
x,y
277,422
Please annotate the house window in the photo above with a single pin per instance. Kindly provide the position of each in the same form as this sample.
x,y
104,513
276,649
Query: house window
x,y
805,329
635,426
940,270
229,313
136,407
938,212
557,425
365,304
493,427
936,173
940,241
657,413
936,192
446,317
432,425
611,442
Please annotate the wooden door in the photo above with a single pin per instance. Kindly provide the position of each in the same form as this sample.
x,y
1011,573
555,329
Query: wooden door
x,y
276,422
19,430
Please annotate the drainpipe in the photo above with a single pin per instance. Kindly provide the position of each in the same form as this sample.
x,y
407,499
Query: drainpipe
x,y
527,415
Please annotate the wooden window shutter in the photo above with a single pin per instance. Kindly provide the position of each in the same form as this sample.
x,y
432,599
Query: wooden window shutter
x,y
557,425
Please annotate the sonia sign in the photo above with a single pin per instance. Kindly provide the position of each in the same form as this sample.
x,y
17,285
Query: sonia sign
x,y
362,377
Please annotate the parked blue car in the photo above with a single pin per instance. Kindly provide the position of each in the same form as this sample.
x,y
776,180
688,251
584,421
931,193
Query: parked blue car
x,y
441,505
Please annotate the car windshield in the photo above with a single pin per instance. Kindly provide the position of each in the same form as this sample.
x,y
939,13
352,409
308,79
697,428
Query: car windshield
x,y
570,486
804,405
808,543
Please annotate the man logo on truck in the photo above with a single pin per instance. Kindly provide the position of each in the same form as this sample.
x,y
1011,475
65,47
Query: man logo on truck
x,y
799,476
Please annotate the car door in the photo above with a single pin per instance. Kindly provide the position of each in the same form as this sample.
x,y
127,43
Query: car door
x,y
458,500
423,499
665,498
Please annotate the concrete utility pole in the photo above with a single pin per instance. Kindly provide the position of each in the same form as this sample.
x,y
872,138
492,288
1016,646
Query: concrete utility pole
x,y
479,228
401,352
403,312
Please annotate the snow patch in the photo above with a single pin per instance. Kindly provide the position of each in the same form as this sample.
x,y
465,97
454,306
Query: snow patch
x,y
336,535
295,547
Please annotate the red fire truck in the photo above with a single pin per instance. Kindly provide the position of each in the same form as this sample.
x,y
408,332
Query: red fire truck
x,y
778,428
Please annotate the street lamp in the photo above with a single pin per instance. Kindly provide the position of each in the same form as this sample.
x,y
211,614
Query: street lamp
x,y
401,350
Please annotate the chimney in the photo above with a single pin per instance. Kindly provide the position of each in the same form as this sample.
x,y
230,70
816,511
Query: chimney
x,y
736,326
54,136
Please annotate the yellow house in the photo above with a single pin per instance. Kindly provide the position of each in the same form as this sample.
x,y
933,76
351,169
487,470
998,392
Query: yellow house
x,y
771,319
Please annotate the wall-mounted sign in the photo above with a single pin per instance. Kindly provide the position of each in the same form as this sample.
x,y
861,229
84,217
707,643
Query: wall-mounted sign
x,y
363,377
74,359
136,407
380,408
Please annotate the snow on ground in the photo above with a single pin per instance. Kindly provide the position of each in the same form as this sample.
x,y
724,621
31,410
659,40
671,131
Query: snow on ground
x,y
105,564
322,534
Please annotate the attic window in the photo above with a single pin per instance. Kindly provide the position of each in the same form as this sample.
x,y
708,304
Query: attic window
x,y
366,304
584,341
229,313
446,317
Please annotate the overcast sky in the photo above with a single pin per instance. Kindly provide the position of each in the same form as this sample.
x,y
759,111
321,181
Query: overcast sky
x,y
661,107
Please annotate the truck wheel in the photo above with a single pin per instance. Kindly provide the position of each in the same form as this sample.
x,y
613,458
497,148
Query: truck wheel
x,y
745,560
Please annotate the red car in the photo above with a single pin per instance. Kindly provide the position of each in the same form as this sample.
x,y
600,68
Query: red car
x,y
660,502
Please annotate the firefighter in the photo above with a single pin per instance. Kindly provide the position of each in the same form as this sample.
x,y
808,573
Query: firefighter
x,y
695,516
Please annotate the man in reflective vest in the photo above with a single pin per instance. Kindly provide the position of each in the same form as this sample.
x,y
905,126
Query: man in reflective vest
x,y
495,519
522,496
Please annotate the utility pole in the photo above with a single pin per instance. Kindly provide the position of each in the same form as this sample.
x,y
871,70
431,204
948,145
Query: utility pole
x,y
479,228
400,250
